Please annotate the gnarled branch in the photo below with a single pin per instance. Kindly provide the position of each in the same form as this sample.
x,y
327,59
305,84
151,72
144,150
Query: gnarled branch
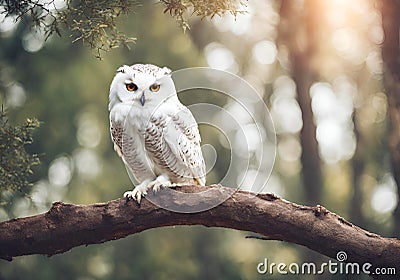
x,y
66,226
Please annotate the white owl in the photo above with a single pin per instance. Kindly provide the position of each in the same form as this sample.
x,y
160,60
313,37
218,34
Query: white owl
x,y
156,135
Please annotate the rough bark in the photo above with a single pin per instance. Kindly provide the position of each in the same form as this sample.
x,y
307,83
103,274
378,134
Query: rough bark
x,y
390,10
66,226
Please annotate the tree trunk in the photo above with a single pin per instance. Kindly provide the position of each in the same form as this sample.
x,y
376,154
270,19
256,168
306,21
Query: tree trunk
x,y
357,166
298,33
390,10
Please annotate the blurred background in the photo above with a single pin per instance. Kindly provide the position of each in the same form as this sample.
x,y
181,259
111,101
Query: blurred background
x,y
316,64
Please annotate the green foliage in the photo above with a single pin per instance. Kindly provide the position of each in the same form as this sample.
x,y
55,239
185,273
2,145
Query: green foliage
x,y
94,22
37,12
201,8
15,162
90,21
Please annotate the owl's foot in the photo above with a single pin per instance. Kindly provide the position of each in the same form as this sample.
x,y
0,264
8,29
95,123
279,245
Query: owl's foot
x,y
141,190
138,192
160,181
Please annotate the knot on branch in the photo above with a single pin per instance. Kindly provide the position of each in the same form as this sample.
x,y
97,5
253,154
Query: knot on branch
x,y
268,196
320,211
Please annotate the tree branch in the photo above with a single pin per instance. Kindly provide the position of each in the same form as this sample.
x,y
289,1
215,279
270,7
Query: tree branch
x,y
66,226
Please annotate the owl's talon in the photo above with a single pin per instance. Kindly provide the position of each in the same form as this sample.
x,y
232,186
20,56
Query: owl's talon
x,y
127,194
160,182
135,195
138,192
156,188
138,198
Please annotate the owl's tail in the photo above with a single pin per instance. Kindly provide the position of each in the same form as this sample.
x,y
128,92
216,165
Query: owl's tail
x,y
200,181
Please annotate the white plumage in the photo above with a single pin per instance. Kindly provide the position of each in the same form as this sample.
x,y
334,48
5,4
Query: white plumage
x,y
156,135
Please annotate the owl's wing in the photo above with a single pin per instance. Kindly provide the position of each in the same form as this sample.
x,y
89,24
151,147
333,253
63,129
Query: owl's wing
x,y
116,136
183,138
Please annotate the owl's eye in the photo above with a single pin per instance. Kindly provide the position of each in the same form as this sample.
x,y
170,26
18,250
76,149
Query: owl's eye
x,y
131,87
155,87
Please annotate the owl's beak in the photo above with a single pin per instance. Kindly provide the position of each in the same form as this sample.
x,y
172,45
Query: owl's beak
x,y
142,99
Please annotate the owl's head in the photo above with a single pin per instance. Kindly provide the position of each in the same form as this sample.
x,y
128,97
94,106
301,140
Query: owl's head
x,y
143,85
